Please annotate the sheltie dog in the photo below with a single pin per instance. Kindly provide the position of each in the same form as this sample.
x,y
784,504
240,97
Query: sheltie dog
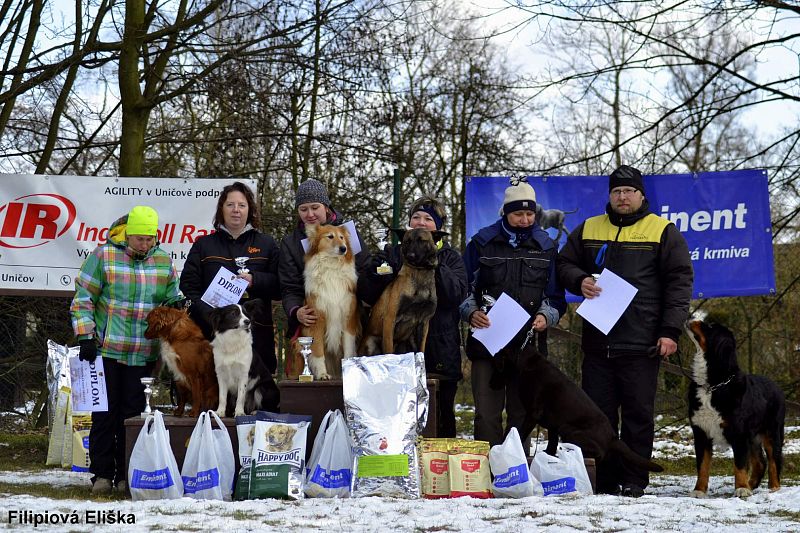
x,y
330,286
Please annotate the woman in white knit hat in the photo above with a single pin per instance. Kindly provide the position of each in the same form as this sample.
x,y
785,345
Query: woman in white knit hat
x,y
516,257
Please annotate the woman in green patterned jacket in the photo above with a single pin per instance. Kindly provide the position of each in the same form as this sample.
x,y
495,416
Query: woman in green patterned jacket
x,y
119,283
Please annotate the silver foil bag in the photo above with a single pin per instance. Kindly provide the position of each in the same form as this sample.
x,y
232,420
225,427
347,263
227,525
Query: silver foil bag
x,y
57,369
386,400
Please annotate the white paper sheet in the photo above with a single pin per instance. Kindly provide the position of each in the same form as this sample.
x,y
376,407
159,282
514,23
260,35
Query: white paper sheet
x,y
225,289
507,318
603,311
355,244
88,385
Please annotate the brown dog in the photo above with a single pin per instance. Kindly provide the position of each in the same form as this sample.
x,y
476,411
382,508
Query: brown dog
x,y
330,285
553,401
399,321
189,357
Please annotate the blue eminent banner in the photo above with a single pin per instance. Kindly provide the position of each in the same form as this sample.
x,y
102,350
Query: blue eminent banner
x,y
724,217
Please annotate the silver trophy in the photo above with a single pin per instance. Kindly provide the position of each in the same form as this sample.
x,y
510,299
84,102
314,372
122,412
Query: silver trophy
x,y
306,376
384,267
148,392
241,262
488,302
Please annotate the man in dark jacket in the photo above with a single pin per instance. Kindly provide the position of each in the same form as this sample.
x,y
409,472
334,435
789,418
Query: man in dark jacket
x,y
620,370
517,257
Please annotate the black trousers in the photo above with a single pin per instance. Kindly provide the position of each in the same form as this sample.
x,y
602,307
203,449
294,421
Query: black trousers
x,y
107,436
491,401
624,388
446,422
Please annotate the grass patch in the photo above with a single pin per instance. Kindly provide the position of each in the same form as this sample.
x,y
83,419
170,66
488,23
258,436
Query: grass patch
x,y
721,466
22,451
71,492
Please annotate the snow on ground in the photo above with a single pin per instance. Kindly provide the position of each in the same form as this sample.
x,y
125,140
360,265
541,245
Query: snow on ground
x,y
665,508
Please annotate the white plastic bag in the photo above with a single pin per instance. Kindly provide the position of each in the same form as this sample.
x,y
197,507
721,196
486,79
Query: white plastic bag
x,y
330,473
562,474
316,449
510,468
152,471
208,468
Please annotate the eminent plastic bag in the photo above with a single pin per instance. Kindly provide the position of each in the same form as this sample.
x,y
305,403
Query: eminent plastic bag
x,y
510,468
208,468
562,474
330,472
152,471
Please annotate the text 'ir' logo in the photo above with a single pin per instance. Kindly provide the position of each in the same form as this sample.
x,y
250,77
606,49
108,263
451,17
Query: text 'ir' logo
x,y
35,219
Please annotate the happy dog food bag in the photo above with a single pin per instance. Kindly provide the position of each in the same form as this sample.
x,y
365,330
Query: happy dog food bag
x,y
245,433
278,460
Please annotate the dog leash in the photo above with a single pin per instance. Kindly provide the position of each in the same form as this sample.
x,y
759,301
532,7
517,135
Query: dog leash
x,y
528,337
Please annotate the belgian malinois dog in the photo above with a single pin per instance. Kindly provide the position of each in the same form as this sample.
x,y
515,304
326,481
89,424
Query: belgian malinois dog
x,y
399,321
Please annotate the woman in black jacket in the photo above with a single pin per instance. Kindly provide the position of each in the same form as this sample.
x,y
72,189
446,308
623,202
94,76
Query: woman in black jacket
x,y
443,345
236,237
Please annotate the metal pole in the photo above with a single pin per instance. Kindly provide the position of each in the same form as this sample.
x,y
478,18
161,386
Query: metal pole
x,y
398,183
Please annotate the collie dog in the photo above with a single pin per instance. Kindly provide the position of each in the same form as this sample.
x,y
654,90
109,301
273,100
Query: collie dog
x,y
238,372
330,285
728,408
188,355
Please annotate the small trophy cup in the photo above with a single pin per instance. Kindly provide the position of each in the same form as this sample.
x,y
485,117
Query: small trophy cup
x,y
384,268
148,391
306,376
488,302
241,262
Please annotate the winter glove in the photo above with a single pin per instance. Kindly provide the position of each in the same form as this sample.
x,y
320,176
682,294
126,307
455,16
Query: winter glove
x,y
88,350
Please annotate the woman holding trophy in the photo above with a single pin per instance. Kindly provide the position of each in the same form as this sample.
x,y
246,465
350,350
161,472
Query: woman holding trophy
x,y
239,246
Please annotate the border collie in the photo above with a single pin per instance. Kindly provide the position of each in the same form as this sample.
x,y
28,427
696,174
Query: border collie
x,y
238,371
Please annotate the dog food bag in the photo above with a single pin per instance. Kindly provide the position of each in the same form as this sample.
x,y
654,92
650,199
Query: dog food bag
x,y
423,396
469,469
81,426
278,462
381,398
59,389
245,433
435,461
510,468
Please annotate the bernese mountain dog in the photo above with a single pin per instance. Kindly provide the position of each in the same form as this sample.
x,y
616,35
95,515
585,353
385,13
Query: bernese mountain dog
x,y
728,408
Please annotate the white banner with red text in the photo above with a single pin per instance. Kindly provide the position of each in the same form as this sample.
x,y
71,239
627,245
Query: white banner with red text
x,y
50,224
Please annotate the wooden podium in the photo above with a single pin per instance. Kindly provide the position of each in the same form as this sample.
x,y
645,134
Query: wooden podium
x,y
315,398
318,397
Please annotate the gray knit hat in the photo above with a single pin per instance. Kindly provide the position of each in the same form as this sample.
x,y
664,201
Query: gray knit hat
x,y
311,191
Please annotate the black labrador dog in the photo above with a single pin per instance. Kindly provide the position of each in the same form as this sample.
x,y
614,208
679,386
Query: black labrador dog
x,y
553,401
